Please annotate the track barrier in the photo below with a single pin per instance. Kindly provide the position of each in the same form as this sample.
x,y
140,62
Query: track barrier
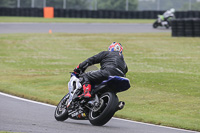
x,y
72,13
189,27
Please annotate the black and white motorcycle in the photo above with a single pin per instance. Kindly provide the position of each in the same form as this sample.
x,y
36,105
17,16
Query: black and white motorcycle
x,y
162,22
100,108
165,19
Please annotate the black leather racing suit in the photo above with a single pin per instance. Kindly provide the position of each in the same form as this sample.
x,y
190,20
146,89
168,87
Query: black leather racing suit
x,y
112,64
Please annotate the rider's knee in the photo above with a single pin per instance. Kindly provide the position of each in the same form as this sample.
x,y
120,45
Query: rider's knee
x,y
84,80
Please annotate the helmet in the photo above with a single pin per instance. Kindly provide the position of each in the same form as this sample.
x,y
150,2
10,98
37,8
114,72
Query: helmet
x,y
115,47
172,10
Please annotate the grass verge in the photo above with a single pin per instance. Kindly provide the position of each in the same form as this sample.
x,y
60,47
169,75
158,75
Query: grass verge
x,y
164,72
71,20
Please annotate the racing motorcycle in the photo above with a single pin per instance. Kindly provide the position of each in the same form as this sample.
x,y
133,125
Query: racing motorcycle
x,y
100,108
163,22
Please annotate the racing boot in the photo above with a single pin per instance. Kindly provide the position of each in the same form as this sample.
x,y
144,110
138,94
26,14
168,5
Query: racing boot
x,y
86,91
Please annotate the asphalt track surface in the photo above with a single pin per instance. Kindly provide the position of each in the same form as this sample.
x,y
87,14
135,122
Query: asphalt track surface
x,y
78,28
21,115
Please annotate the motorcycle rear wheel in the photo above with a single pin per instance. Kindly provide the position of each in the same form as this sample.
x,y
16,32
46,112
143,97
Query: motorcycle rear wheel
x,y
61,112
107,108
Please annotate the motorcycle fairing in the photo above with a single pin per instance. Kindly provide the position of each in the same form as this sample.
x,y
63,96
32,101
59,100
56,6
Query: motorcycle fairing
x,y
116,83
73,85
161,17
77,113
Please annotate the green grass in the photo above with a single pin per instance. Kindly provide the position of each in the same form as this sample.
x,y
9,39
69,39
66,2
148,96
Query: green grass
x,y
72,20
164,72
7,132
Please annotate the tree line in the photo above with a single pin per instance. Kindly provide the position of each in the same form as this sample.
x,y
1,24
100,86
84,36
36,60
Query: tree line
x,y
74,4
106,4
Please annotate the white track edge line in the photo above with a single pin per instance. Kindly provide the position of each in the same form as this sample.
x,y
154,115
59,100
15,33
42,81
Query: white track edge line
x,y
23,99
27,100
148,124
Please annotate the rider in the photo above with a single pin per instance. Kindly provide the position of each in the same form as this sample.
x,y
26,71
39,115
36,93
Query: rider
x,y
168,14
112,64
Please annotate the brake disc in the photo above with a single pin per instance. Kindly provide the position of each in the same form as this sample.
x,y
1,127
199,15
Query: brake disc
x,y
98,106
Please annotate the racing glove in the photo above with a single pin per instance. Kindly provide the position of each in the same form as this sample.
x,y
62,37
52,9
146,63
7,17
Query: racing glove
x,y
77,70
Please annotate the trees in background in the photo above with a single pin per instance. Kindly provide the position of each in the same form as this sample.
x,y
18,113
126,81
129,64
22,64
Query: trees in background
x,y
194,6
117,4
8,3
69,4
73,4
106,4
183,5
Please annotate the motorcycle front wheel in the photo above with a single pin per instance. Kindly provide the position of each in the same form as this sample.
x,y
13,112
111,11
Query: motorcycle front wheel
x,y
155,24
61,112
101,114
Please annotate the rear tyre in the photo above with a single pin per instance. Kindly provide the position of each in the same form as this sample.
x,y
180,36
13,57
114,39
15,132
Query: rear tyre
x,y
100,115
61,112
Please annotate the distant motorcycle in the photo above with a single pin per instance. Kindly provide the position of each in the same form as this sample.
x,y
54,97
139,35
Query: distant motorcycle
x,y
163,22
100,108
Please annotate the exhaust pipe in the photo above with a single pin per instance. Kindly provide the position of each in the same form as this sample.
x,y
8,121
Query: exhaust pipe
x,y
120,105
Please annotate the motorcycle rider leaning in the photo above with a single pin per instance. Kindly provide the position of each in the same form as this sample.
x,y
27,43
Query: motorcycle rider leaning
x,y
168,14
112,64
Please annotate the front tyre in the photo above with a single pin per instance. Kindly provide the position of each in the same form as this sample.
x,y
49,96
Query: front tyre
x,y
155,24
61,112
100,115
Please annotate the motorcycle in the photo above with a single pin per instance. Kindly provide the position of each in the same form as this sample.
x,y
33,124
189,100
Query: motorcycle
x,y
100,108
161,21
